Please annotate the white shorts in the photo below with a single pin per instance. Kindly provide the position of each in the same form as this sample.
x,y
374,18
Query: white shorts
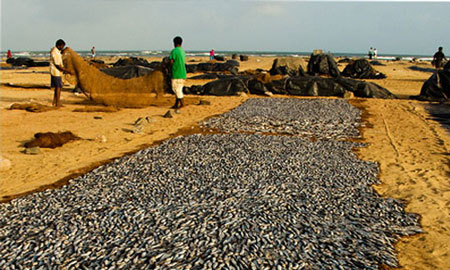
x,y
177,86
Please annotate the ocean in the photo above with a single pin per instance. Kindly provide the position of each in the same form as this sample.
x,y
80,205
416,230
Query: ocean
x,y
158,53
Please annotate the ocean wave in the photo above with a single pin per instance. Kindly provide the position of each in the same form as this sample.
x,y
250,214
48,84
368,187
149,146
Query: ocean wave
x,y
198,54
22,54
151,52
162,53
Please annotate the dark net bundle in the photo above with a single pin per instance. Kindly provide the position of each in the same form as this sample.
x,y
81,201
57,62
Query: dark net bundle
x,y
361,69
437,87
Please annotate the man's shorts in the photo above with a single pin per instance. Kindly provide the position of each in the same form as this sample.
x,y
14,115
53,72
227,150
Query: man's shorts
x,y
56,82
177,87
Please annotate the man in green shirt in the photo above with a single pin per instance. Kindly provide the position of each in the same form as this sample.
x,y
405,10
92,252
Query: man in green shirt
x,y
178,59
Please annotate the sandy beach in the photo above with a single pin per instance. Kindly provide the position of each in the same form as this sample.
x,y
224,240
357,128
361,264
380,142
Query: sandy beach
x,y
411,149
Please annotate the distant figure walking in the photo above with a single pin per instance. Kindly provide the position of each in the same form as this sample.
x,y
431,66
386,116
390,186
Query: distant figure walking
x,y
211,54
56,70
178,60
438,59
9,54
93,52
375,53
370,53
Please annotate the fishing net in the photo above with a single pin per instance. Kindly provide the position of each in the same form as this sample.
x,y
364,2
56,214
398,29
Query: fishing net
x,y
107,90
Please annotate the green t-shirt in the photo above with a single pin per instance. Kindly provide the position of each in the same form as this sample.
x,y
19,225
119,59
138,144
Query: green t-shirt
x,y
178,67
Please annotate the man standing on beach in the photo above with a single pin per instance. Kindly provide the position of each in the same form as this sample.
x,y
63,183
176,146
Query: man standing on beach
x,y
56,70
178,59
93,52
438,58
370,53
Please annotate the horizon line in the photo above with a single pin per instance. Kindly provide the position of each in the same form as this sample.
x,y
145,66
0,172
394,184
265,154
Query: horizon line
x,y
230,51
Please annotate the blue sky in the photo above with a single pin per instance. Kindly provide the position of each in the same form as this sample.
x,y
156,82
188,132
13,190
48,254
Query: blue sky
x,y
391,27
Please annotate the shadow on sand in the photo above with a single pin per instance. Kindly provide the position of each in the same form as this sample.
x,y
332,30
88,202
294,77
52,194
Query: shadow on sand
x,y
440,112
416,68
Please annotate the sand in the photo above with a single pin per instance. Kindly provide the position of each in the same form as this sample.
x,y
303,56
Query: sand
x,y
413,153
412,150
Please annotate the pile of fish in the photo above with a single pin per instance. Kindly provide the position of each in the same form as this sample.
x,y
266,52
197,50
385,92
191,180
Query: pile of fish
x,y
222,201
319,118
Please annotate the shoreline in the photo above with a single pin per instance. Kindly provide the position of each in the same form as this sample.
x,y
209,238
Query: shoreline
x,y
39,55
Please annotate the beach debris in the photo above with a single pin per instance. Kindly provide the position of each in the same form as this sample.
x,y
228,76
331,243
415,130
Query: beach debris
x,y
268,93
138,129
32,150
204,102
140,123
51,140
361,69
5,164
31,107
101,139
437,87
348,95
168,114
243,57
242,94
98,117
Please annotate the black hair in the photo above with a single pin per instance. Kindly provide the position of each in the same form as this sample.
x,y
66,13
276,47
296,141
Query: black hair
x,y
177,41
60,42
440,48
